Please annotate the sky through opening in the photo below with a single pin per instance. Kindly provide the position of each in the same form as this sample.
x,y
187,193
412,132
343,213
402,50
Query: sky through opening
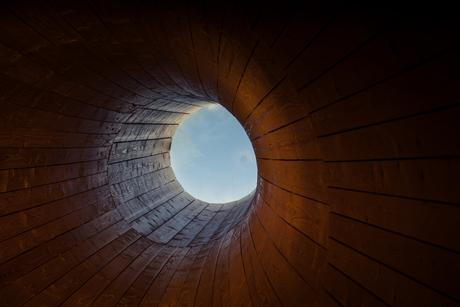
x,y
212,156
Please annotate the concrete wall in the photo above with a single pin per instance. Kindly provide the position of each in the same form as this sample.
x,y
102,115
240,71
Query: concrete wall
x,y
353,113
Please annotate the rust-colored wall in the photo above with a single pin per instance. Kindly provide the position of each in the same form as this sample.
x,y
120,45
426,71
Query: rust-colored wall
x,y
353,114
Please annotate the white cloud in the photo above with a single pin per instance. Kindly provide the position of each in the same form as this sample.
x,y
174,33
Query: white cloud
x,y
243,158
183,150
214,107
218,111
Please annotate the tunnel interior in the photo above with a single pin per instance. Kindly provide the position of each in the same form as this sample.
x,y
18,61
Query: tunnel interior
x,y
352,111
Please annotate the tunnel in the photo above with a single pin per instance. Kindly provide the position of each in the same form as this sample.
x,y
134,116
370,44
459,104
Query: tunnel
x,y
353,113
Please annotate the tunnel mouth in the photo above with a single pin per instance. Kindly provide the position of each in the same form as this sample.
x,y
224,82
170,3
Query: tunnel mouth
x,y
212,156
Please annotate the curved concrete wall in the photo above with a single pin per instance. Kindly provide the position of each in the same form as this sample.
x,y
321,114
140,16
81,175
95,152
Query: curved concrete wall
x,y
353,114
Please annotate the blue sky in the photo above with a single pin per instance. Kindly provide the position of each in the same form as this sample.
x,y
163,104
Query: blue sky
x,y
212,156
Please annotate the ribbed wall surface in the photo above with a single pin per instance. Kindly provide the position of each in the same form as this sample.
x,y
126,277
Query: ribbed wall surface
x,y
353,113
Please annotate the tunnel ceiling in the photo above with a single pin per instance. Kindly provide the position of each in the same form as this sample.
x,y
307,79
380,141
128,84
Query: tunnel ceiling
x,y
352,112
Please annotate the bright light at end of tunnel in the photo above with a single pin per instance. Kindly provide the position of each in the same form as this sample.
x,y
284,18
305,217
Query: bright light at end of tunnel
x,y
212,157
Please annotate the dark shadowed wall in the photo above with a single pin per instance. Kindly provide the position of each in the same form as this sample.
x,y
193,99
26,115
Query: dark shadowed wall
x,y
353,113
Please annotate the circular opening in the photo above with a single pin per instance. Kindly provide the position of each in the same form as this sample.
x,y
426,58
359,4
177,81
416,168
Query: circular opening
x,y
212,157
